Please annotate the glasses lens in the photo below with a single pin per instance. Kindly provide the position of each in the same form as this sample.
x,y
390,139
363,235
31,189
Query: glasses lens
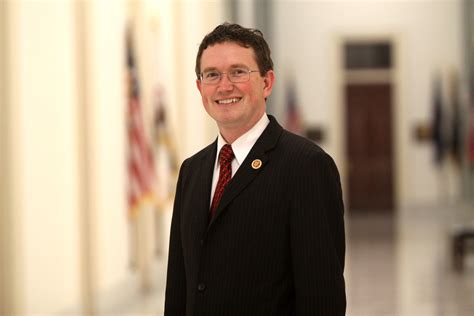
x,y
210,76
239,75
235,75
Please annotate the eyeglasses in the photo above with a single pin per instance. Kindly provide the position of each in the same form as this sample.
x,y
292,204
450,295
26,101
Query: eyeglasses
x,y
236,75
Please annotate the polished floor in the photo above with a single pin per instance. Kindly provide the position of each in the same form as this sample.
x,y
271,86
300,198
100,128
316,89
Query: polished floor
x,y
401,265
397,265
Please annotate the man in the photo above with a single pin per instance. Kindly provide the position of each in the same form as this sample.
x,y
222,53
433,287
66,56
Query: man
x,y
257,225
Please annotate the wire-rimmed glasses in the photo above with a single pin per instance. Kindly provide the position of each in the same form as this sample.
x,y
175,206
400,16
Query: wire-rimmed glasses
x,y
236,75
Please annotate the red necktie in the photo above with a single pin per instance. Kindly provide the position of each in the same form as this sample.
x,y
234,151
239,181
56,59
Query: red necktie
x,y
225,173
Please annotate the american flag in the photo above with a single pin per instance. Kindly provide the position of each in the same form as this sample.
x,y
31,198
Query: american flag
x,y
166,165
293,120
141,171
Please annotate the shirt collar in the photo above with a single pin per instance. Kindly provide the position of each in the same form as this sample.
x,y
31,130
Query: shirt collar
x,y
242,145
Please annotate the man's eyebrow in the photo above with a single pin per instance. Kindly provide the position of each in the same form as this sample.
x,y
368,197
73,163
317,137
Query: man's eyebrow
x,y
233,66
238,66
209,69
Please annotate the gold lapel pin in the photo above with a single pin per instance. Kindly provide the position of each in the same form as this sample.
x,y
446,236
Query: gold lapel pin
x,y
256,164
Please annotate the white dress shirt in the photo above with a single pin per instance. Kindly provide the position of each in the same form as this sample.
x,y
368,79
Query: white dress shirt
x,y
241,148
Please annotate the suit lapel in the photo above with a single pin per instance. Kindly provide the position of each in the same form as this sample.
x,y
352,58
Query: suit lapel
x,y
246,173
206,170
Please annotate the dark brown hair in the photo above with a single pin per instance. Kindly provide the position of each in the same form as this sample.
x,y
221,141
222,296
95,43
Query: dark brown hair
x,y
245,37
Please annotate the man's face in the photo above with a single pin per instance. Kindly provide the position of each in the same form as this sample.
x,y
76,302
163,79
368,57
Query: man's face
x,y
234,106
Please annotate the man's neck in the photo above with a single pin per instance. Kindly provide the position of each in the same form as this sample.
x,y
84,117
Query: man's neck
x,y
231,134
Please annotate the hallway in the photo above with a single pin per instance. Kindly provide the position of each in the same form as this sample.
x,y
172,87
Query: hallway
x,y
394,267
68,232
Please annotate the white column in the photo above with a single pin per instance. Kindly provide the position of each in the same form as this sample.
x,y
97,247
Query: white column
x,y
43,137
103,143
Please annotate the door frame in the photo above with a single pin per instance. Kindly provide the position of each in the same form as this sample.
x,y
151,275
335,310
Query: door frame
x,y
338,97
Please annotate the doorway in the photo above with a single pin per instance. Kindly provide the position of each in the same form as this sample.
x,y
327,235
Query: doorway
x,y
368,95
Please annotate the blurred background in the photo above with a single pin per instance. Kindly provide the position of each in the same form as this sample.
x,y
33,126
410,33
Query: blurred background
x,y
99,108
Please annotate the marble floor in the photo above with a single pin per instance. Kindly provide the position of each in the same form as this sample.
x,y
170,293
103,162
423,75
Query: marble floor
x,y
397,265
401,266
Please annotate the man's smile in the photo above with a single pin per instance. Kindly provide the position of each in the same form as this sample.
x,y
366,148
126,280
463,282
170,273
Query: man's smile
x,y
228,101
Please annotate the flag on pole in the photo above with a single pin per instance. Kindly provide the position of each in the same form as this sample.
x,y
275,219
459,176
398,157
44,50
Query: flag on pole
x,y
166,167
437,129
166,164
293,119
456,122
141,171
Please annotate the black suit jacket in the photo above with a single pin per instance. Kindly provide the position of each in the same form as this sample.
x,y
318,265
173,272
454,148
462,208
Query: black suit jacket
x,y
276,244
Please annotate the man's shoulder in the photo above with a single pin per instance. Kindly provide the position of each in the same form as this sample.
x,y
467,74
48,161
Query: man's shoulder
x,y
303,154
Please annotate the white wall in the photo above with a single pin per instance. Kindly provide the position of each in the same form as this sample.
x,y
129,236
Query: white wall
x,y
427,36
105,131
45,149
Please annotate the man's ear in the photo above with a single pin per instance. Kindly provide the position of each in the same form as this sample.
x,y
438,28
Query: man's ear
x,y
268,81
199,85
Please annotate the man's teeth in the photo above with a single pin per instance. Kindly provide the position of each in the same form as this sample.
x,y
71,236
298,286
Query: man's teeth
x,y
227,101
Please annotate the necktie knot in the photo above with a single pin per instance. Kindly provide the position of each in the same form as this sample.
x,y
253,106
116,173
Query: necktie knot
x,y
226,154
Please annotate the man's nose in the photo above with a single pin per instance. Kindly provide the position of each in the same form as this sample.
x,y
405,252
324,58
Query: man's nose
x,y
225,83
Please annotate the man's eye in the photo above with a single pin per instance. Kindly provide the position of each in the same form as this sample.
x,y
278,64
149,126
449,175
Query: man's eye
x,y
238,72
211,75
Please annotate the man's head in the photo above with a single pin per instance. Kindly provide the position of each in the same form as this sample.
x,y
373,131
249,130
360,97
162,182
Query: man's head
x,y
235,77
245,37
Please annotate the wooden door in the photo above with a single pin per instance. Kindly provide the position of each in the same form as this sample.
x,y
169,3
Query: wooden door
x,y
369,146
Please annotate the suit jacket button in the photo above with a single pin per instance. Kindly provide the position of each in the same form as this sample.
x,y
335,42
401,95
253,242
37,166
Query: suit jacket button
x,y
201,287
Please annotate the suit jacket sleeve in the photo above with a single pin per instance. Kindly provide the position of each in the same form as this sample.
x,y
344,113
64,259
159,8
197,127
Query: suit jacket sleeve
x,y
175,297
317,239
